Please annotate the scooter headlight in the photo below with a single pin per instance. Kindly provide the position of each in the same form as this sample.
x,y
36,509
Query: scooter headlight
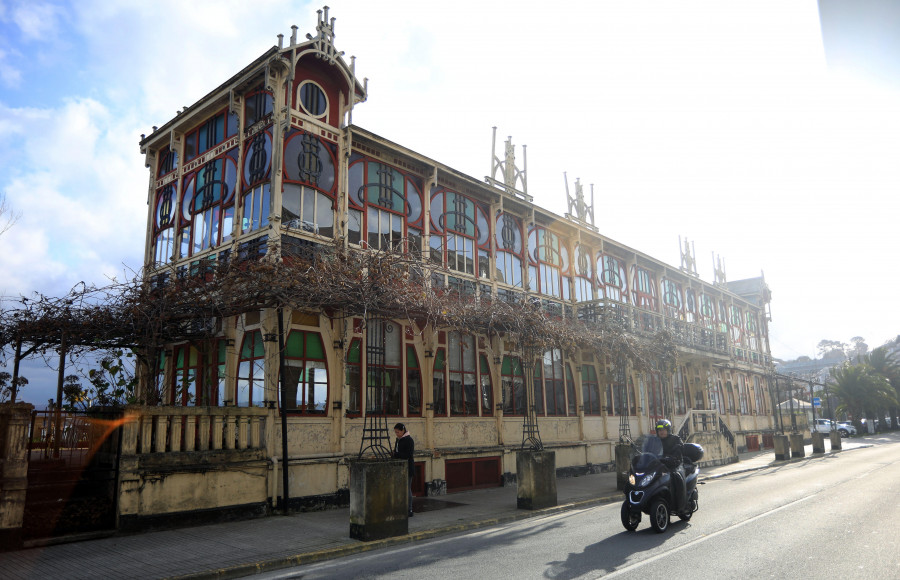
x,y
644,481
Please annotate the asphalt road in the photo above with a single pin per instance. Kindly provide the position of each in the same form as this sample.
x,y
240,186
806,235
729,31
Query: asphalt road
x,y
833,518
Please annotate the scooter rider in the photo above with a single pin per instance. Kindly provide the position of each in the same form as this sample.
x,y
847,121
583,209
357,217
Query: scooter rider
x,y
672,457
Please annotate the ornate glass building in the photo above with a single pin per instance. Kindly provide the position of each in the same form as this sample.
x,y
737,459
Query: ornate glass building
x,y
270,163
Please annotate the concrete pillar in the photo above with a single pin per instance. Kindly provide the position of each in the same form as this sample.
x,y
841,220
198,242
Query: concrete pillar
x,y
818,443
835,440
623,464
378,499
797,445
536,478
15,420
782,447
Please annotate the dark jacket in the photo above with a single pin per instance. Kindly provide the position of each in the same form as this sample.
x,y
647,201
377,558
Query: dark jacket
x,y
405,448
672,447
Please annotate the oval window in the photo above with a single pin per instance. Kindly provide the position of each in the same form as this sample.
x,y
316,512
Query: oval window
x,y
312,99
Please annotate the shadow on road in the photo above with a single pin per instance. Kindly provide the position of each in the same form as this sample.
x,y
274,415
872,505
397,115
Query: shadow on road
x,y
606,556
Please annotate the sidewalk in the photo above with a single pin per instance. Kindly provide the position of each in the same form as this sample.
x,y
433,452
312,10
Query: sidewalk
x,y
241,548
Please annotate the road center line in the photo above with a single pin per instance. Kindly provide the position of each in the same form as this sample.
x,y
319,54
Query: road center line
x,y
692,543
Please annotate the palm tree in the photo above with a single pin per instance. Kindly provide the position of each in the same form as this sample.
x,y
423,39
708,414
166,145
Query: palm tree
x,y
885,363
862,391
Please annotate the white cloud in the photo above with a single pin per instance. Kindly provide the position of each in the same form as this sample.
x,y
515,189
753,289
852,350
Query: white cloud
x,y
9,75
36,20
79,193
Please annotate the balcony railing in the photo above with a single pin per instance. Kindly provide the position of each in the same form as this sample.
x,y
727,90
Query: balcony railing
x,y
686,334
174,429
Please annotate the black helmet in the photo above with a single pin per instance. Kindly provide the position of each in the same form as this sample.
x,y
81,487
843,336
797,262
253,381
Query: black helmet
x,y
664,424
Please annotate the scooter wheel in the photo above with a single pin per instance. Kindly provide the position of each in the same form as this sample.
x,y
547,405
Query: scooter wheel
x,y
630,518
659,516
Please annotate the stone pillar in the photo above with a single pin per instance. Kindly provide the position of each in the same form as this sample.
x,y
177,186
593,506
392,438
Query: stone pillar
x,y
797,445
623,464
818,443
15,420
782,447
378,499
835,440
536,477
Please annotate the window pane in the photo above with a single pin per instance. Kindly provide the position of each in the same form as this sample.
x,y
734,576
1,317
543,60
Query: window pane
x,y
314,348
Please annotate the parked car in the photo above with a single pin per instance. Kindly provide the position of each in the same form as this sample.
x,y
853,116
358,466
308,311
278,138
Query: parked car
x,y
821,426
846,428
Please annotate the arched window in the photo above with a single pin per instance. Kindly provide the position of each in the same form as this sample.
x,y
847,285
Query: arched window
x,y
644,288
207,204
584,278
257,106
460,233
591,391
251,377
752,331
413,384
631,401
760,397
168,161
671,295
462,374
215,130
547,259
487,387
354,377
690,305
729,391
384,367
439,384
513,386
737,326
679,386
187,375
743,395
554,380
612,278
657,402
387,374
571,401
707,311
310,184
723,317
256,199
716,396
164,225
305,388
385,206
508,234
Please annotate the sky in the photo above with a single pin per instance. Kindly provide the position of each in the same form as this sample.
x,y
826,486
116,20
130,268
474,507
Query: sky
x,y
726,123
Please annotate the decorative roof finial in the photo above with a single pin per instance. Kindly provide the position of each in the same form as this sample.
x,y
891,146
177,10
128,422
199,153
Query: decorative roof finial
x,y
688,259
512,175
324,40
581,209
719,270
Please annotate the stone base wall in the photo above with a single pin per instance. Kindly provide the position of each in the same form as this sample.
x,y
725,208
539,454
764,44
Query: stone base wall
x,y
192,484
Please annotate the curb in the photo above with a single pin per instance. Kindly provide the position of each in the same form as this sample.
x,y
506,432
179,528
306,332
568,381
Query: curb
x,y
240,570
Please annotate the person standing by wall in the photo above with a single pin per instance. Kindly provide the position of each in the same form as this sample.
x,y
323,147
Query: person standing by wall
x,y
405,448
